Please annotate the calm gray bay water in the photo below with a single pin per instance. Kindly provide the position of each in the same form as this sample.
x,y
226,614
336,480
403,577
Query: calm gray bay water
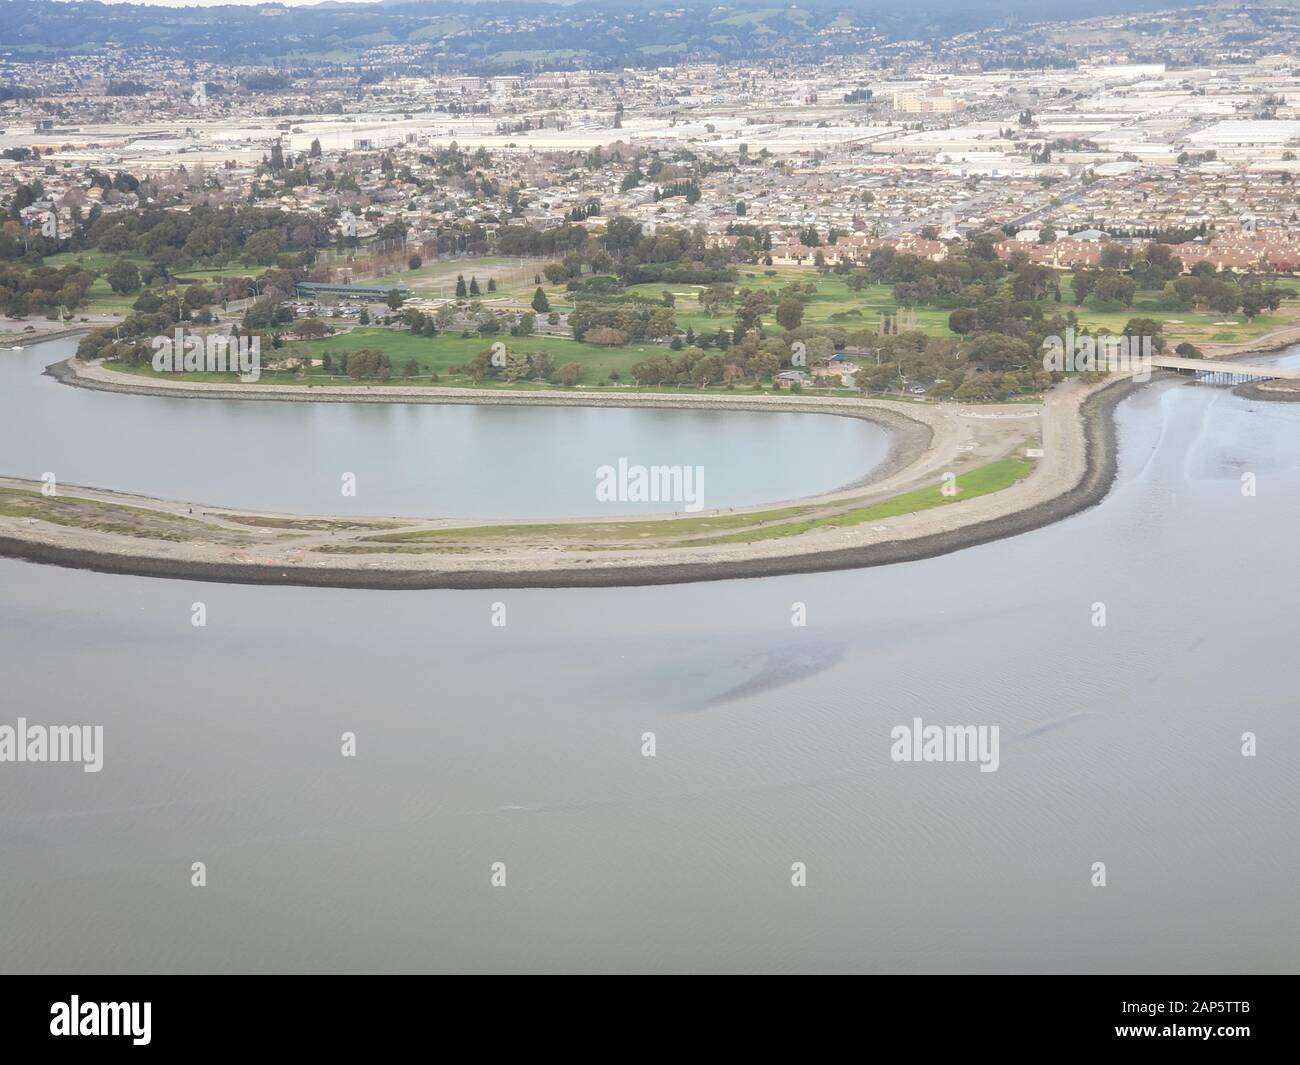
x,y
478,744
412,460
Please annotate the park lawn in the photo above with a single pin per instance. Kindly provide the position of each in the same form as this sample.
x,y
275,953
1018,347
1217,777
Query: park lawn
x,y
444,351
522,292
833,304
90,259
432,278
208,274
101,299
1199,328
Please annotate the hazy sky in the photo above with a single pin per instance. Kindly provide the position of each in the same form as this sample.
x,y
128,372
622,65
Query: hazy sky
x,y
223,3
286,3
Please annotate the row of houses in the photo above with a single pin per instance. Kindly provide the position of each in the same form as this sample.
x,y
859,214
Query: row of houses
x,y
855,247
1273,249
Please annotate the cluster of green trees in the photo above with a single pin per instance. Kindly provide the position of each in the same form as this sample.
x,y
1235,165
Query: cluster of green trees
x,y
672,253
688,189
212,236
421,324
168,241
972,264
992,295
266,313
130,340
629,321
701,364
990,365
1222,291
43,289
472,289
194,304
311,329
697,367
367,364
511,366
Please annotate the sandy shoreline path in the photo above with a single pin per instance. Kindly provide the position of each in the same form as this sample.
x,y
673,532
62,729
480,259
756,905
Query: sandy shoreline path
x,y
956,475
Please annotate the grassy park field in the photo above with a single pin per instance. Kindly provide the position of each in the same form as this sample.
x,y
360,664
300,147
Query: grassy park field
x,y
832,304
437,355
835,305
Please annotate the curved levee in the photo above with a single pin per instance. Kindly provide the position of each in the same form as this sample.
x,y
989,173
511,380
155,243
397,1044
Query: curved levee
x,y
135,535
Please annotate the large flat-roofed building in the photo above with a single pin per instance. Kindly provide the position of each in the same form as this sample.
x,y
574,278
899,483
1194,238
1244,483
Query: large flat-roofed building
x,y
932,100
308,289
1248,133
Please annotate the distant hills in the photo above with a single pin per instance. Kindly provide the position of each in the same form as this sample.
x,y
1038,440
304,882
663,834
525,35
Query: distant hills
x,y
503,36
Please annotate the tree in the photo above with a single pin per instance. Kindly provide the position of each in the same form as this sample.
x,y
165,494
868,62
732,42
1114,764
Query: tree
x,y
764,365
263,248
707,370
1113,287
750,312
789,314
605,336
1115,257
415,262
517,365
411,368
474,290
1146,327
369,363
963,320
1252,302
568,374
492,284
310,328
481,366
540,303
820,349
123,277
395,299
460,286
1082,283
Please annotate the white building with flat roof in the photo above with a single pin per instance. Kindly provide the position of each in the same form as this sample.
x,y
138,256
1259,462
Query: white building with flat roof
x,y
1248,133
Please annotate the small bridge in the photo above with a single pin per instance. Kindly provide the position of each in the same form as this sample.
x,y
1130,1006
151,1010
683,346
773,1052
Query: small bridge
x,y
1225,371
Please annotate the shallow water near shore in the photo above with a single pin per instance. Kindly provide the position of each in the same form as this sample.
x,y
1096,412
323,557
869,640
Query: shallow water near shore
x,y
522,744
410,460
